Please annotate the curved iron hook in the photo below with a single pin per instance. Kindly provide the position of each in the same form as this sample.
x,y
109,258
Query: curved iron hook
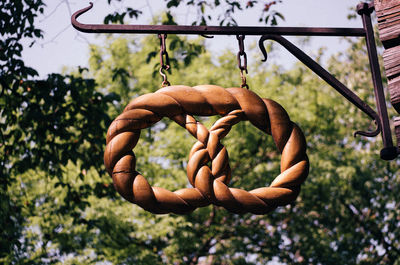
x,y
76,24
327,77
165,81
264,53
370,133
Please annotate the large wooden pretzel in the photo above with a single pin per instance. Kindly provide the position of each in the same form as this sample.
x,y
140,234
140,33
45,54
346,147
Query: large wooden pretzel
x,y
209,184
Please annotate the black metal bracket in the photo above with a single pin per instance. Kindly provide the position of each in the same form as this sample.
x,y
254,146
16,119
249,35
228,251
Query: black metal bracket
x,y
381,119
327,77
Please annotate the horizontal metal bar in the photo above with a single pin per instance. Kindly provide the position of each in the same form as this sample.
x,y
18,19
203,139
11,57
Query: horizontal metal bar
x,y
211,30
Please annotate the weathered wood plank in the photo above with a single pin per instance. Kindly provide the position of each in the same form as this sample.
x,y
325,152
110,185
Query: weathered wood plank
x,y
391,62
388,13
394,91
384,4
388,10
396,124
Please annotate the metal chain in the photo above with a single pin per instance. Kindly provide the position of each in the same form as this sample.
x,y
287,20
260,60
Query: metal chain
x,y
164,63
243,77
242,65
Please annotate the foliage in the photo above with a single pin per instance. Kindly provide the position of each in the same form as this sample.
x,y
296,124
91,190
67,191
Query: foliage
x,y
44,124
16,22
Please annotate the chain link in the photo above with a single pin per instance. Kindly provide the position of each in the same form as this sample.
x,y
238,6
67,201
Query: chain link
x,y
242,64
164,60
243,77
163,52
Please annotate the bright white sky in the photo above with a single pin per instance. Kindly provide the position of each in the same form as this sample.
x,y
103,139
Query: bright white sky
x,y
64,46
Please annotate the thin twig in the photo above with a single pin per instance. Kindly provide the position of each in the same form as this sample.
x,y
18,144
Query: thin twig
x,y
52,12
150,9
56,36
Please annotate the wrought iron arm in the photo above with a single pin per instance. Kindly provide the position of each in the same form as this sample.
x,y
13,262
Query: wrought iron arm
x,y
327,77
210,30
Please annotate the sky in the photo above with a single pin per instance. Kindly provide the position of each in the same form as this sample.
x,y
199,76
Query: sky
x,y
64,46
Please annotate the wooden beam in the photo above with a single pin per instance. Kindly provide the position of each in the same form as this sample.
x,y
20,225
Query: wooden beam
x,y
388,13
391,62
396,124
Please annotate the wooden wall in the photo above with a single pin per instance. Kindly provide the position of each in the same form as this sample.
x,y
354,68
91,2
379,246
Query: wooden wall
x,y
388,13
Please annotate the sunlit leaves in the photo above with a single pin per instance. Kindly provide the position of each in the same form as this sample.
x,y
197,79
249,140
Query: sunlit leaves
x,y
118,17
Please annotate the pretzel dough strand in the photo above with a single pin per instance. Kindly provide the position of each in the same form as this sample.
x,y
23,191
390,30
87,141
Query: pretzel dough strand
x,y
209,184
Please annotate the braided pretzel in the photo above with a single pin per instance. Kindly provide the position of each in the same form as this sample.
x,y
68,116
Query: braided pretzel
x,y
210,185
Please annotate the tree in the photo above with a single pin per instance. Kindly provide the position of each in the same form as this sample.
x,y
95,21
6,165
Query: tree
x,y
44,124
11,71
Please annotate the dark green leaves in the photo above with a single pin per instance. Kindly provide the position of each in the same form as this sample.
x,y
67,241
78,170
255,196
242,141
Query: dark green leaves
x,y
224,11
173,3
118,17
47,123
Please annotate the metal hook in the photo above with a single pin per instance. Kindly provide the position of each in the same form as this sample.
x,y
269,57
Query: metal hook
x,y
370,134
207,36
76,24
164,66
263,51
244,80
165,80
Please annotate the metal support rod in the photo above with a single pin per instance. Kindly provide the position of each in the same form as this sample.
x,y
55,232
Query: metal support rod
x,y
211,30
388,152
327,77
